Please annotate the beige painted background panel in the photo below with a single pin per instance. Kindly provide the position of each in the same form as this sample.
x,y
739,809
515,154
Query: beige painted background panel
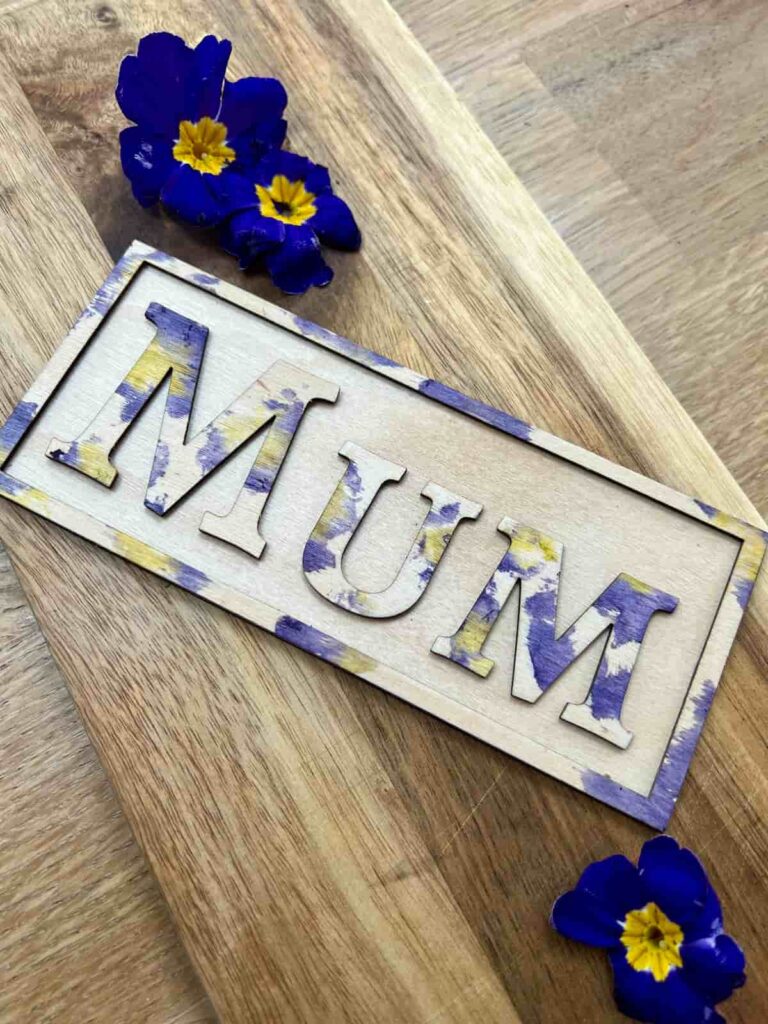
x,y
484,818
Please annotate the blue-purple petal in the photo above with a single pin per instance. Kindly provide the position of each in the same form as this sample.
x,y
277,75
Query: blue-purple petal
x,y
672,1001
298,263
318,180
255,143
710,919
616,884
248,236
209,64
675,879
334,224
282,161
146,162
249,101
714,967
194,197
578,915
152,84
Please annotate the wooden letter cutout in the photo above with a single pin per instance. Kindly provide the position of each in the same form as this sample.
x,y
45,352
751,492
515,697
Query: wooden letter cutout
x,y
272,554
324,551
279,398
623,610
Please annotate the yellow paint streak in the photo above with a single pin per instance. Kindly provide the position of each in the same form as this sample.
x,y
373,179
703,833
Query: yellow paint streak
x,y
354,661
34,499
235,428
472,636
93,461
435,539
142,554
530,548
639,587
334,511
149,369
749,562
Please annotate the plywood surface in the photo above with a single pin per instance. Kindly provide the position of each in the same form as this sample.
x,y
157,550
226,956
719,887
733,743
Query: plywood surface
x,y
356,853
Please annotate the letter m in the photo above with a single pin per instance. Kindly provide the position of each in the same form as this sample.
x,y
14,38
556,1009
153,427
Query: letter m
x,y
622,613
276,400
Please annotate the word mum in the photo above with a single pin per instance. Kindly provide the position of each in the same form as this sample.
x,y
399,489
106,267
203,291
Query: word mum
x,y
276,403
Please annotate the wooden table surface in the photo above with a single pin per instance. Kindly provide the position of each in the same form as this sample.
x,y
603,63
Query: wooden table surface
x,y
637,128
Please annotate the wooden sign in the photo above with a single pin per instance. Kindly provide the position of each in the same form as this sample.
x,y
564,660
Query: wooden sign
x,y
558,606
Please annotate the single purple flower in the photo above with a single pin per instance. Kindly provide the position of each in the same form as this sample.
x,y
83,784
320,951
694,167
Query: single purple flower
x,y
192,129
662,927
283,210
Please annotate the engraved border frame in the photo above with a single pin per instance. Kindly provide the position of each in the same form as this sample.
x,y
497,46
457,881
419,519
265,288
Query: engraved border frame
x,y
654,809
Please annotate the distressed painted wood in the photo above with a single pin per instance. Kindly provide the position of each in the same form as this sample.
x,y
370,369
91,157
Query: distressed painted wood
x,y
156,322
505,838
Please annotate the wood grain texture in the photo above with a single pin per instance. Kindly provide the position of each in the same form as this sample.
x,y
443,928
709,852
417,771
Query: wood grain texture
x,y
86,935
638,127
360,814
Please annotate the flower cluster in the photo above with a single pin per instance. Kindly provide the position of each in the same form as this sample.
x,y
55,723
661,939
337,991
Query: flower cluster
x,y
662,927
210,151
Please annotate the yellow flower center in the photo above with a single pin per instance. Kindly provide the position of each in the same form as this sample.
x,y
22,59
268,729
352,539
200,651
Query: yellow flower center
x,y
203,145
653,941
286,200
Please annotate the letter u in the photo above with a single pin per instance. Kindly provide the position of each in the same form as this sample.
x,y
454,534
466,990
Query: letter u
x,y
324,551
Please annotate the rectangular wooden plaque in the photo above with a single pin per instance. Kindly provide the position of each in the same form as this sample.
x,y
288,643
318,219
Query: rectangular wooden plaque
x,y
562,608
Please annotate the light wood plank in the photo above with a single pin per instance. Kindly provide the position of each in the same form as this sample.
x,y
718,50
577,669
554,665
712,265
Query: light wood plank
x,y
637,129
503,839
86,935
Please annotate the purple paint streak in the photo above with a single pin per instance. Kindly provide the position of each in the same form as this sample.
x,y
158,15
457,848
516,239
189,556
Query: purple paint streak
x,y
160,463
156,505
317,556
133,400
189,577
709,511
105,296
346,523
632,609
259,481
180,330
626,609
212,452
743,590
550,656
16,425
479,410
309,639
9,485
608,692
205,280
179,406
656,809
69,457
